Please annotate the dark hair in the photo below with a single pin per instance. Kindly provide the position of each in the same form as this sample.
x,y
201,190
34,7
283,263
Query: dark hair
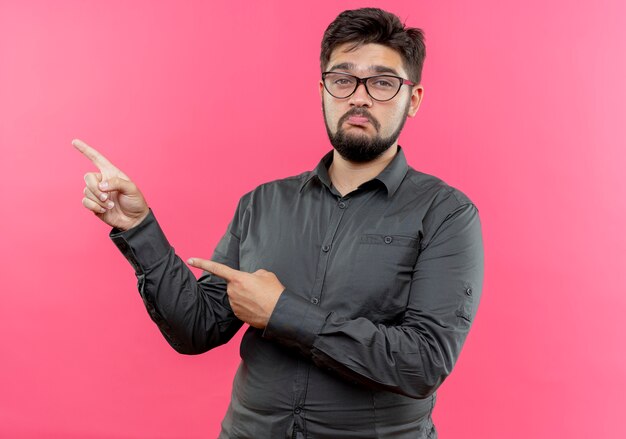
x,y
373,25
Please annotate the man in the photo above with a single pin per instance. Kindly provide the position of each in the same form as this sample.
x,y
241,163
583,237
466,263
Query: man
x,y
359,280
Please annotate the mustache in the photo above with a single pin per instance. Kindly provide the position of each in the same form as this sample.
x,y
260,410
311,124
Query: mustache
x,y
360,112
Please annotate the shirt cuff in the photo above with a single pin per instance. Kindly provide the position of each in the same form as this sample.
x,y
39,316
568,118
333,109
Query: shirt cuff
x,y
143,245
295,322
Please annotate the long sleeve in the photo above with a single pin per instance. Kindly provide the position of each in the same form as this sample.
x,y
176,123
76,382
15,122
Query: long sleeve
x,y
415,356
382,285
193,315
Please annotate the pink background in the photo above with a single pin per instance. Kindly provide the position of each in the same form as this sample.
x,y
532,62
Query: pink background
x,y
201,101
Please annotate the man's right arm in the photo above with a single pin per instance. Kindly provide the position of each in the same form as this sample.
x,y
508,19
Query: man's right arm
x,y
193,315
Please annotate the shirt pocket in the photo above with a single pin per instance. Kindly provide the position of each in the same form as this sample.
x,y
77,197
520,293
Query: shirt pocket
x,y
382,273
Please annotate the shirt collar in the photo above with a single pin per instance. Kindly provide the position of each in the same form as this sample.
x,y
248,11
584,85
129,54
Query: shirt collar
x,y
391,176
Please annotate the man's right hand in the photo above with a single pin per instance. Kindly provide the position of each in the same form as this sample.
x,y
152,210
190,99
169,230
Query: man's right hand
x,y
110,194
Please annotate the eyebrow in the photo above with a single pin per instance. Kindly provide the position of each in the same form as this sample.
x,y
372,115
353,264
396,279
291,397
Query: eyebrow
x,y
351,66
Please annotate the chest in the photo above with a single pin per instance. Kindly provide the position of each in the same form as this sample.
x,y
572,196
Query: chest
x,y
353,255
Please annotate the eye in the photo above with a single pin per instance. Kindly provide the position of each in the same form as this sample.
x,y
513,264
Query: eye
x,y
382,83
343,81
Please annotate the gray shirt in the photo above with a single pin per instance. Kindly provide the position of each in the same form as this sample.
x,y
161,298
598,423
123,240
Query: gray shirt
x,y
382,285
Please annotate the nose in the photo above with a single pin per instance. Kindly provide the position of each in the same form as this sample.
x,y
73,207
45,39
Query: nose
x,y
360,97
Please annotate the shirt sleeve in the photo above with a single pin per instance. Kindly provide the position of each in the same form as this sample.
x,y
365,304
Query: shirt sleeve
x,y
414,357
193,315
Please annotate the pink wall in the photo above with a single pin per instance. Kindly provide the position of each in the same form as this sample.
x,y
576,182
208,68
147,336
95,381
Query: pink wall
x,y
523,110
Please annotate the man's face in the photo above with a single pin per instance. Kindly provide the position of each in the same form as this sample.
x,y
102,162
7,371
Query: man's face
x,y
359,127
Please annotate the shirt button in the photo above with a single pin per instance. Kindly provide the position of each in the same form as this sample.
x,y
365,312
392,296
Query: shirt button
x,y
315,300
342,205
388,239
297,410
326,247
468,291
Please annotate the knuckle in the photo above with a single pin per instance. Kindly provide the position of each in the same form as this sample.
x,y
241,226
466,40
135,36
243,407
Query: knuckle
x,y
88,203
91,182
235,281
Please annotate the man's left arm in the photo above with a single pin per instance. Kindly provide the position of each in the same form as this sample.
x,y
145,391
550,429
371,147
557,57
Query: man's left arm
x,y
414,357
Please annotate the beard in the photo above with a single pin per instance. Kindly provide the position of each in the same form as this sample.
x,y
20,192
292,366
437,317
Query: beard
x,y
359,148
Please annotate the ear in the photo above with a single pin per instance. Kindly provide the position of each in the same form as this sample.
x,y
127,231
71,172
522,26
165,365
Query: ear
x,y
416,99
321,89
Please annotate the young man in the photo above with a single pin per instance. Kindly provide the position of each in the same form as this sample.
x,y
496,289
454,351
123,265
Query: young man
x,y
359,279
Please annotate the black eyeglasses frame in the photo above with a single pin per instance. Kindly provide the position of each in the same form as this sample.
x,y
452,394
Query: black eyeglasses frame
x,y
363,81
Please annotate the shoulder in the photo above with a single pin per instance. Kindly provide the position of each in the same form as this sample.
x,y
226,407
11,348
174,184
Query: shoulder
x,y
434,189
438,200
282,189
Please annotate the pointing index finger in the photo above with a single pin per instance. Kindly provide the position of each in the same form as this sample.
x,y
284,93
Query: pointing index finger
x,y
96,158
220,270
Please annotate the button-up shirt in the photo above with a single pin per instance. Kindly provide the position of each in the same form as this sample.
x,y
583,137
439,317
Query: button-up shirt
x,y
382,285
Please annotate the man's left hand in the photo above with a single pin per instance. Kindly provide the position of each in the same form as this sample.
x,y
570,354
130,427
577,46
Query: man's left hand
x,y
252,296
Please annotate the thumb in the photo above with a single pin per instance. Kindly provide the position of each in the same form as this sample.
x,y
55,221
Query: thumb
x,y
118,184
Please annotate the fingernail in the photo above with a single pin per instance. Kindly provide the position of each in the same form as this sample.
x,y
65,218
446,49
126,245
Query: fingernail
x,y
103,197
103,184
102,210
110,204
190,261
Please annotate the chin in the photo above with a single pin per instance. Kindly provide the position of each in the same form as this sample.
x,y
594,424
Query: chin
x,y
357,132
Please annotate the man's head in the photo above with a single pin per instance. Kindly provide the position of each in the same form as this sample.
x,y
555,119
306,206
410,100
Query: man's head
x,y
363,43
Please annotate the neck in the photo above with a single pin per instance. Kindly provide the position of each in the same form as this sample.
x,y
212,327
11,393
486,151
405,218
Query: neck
x,y
346,176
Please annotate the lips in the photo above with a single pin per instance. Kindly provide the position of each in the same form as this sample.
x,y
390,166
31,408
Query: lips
x,y
359,117
358,120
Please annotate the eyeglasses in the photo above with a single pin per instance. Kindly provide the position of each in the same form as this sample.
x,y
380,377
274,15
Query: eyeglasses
x,y
380,88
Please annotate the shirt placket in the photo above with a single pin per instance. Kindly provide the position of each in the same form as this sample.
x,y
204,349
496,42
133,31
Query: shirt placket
x,y
302,374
